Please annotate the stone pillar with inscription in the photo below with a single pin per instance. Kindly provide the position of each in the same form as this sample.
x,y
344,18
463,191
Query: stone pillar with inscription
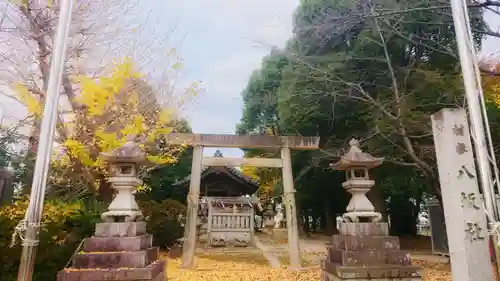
x,y
120,248
464,215
364,250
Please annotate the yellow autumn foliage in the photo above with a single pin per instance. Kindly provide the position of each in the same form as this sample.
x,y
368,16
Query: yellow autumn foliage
x,y
113,113
267,177
491,83
30,100
251,172
113,108
99,95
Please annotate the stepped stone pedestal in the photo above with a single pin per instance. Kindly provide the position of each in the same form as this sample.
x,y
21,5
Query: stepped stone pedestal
x,y
365,251
118,251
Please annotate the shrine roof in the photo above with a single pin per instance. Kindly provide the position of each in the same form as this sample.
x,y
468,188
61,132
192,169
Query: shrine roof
x,y
205,171
209,170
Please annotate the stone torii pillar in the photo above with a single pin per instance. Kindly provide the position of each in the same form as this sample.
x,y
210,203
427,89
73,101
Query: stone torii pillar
x,y
290,209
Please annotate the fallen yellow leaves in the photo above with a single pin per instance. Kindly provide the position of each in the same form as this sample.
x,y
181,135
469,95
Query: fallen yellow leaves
x,y
215,267
236,268
435,271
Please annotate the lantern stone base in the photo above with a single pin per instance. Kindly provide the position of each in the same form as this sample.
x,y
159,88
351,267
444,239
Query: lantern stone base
x,y
365,251
355,216
125,215
118,251
120,229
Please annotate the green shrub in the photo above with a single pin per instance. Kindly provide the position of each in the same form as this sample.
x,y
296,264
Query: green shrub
x,y
162,221
64,225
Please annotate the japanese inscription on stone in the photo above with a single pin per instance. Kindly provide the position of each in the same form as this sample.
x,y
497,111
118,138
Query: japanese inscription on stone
x,y
469,200
463,207
474,231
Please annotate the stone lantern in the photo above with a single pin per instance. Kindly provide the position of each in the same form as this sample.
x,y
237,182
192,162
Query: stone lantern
x,y
363,249
356,165
124,164
121,248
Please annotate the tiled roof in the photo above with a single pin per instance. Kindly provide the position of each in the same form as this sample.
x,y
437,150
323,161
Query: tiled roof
x,y
208,170
235,172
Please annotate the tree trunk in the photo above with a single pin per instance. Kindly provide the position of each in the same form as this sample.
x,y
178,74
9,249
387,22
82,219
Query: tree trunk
x,y
300,219
30,157
403,219
330,223
105,192
306,226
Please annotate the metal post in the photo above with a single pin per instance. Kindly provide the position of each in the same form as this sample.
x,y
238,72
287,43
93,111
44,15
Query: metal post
x,y
35,208
474,96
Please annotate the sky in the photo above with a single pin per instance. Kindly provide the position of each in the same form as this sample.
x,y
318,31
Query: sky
x,y
221,43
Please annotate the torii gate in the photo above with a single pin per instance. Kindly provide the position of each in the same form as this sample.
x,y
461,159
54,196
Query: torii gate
x,y
198,141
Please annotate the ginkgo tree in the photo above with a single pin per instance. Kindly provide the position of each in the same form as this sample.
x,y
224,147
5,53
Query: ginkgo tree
x,y
269,178
491,86
114,106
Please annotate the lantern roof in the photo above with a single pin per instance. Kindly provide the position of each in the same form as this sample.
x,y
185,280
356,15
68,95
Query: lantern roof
x,y
130,152
356,158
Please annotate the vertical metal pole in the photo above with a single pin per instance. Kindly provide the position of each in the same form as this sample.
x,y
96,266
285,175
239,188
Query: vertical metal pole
x,y
474,94
35,208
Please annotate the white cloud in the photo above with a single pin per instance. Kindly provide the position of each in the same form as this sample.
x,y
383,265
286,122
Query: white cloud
x,y
229,77
225,41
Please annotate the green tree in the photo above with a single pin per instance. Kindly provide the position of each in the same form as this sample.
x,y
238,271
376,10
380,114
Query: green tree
x,y
8,137
159,181
375,71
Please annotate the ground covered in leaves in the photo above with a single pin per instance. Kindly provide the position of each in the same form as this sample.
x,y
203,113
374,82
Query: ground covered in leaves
x,y
255,267
435,271
235,268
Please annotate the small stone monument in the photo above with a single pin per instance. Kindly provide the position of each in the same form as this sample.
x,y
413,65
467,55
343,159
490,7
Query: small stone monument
x,y
120,249
364,250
